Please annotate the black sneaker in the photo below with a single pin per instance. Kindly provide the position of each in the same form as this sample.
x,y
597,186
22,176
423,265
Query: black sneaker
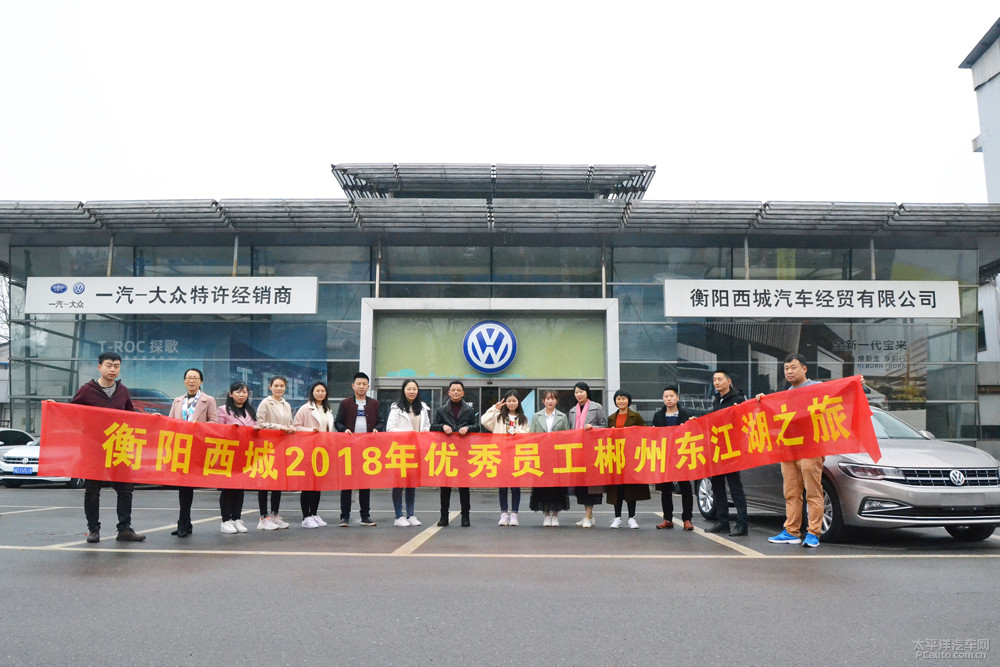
x,y
94,536
129,535
368,521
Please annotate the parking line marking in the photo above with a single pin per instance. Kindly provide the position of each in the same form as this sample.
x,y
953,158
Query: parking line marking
x,y
718,539
353,554
158,529
34,509
424,535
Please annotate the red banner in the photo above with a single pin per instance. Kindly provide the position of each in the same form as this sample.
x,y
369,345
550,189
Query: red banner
x,y
96,443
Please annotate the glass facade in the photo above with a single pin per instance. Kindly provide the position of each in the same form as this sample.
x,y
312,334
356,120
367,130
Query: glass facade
x,y
924,367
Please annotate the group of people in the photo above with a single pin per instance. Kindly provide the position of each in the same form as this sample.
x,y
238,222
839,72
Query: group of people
x,y
360,413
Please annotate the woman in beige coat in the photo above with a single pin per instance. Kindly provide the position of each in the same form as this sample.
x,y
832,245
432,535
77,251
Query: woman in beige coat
x,y
507,416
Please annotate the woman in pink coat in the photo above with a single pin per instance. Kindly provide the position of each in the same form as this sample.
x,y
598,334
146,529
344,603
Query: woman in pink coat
x,y
194,406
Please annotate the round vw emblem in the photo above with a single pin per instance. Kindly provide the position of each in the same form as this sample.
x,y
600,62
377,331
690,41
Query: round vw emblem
x,y
957,477
490,346
24,460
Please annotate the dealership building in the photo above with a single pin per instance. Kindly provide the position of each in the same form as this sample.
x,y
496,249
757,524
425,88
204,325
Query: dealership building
x,y
504,276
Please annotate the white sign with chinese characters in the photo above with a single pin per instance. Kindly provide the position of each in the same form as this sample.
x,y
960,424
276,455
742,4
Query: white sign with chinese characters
x,y
171,296
810,298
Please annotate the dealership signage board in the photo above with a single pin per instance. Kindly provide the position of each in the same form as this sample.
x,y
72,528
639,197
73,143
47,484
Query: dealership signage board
x,y
811,298
171,296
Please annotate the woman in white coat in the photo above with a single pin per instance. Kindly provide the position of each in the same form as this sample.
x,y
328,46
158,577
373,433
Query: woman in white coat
x,y
314,416
408,413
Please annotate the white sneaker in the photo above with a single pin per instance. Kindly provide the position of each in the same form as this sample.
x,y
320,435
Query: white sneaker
x,y
547,521
413,521
617,523
265,523
279,522
555,522
513,519
587,523
401,522
308,522
240,526
227,528
504,519
319,521
632,523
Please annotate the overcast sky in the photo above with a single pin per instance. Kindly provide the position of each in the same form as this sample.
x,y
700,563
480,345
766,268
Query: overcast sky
x,y
852,101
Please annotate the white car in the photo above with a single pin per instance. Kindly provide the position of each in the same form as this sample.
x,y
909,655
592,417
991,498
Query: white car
x,y
20,464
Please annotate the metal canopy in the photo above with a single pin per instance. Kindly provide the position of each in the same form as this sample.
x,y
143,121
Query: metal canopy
x,y
525,215
491,181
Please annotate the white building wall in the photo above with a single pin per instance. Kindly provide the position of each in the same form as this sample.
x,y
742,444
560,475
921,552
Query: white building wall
x,y
988,99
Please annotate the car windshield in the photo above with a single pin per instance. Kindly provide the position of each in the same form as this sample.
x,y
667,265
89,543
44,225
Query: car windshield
x,y
887,426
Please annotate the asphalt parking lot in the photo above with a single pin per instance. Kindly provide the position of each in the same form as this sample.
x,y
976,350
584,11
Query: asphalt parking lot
x,y
487,594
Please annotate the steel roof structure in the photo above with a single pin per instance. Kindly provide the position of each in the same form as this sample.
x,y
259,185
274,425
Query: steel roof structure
x,y
608,216
490,181
483,199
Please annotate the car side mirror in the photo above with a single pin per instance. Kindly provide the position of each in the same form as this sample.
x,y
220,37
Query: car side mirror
x,y
927,434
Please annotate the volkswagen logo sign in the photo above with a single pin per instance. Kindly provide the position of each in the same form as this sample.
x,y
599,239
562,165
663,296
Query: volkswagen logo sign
x,y
490,346
78,288
957,477
24,461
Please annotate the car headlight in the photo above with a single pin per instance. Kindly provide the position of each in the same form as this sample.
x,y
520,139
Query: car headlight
x,y
870,471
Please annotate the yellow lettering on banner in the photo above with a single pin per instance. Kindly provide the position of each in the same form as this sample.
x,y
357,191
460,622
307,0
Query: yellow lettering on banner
x,y
526,460
122,446
652,454
785,418
175,449
219,456
484,457
568,448
730,452
439,458
610,455
293,468
373,462
402,458
758,435
320,461
260,460
828,419
345,453
689,451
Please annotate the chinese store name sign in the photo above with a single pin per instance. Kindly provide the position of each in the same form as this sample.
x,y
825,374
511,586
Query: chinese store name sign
x,y
810,298
171,296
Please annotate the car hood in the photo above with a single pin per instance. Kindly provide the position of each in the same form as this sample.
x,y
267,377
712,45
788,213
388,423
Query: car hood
x,y
22,451
927,454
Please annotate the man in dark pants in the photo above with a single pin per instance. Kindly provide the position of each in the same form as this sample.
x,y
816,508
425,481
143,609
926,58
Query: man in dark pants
x,y
358,414
455,416
107,392
726,396
672,414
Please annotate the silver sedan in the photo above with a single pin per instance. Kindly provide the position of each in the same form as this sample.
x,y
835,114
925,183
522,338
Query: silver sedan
x,y
919,481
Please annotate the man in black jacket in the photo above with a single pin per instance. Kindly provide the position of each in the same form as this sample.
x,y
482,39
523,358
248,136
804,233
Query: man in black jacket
x,y
727,395
455,417
672,414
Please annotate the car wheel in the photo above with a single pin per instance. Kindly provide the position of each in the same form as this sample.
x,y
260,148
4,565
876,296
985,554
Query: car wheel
x,y
11,483
74,484
706,501
833,519
976,533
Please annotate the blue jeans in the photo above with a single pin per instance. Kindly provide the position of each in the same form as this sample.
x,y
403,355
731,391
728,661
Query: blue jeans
x,y
515,499
397,501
